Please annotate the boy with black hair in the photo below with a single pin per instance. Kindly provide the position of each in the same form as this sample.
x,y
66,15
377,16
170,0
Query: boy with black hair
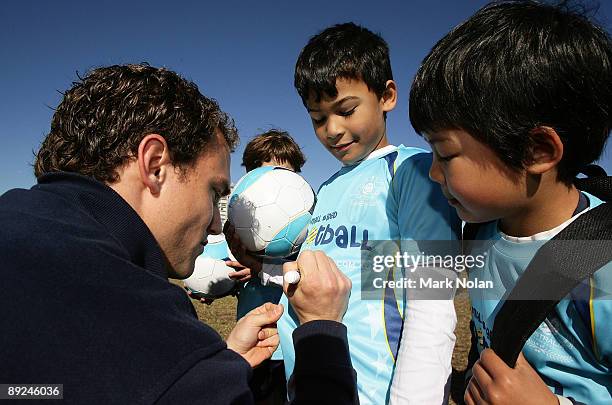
x,y
382,192
515,102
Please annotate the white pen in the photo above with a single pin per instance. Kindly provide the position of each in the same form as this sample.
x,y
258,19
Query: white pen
x,y
292,277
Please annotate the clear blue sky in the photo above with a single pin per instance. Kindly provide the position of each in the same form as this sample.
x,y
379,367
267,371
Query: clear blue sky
x,y
241,53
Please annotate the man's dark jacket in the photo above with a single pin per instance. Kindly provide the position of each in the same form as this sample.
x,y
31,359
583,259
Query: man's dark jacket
x,y
85,302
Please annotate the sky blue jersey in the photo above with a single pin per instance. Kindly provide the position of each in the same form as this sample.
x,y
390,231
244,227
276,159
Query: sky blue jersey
x,y
388,196
572,349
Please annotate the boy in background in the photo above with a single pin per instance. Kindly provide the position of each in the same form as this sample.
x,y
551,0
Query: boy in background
x,y
515,102
382,192
271,148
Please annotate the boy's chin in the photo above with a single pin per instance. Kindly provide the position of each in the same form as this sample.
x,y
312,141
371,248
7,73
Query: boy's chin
x,y
470,217
349,159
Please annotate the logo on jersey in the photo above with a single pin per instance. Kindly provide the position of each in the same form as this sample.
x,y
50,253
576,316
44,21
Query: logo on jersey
x,y
482,330
343,236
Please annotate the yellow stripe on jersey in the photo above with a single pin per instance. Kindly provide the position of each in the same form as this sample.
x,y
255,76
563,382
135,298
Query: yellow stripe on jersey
x,y
592,311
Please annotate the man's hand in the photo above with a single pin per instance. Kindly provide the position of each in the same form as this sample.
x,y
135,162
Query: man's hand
x,y
243,257
493,382
322,292
255,336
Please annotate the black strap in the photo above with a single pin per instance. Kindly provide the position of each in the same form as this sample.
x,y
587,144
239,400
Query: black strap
x,y
597,183
557,267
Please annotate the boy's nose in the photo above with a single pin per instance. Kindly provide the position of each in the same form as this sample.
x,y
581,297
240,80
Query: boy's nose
x,y
333,129
435,173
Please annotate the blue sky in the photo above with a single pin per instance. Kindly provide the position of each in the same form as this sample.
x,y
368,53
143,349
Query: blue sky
x,y
241,53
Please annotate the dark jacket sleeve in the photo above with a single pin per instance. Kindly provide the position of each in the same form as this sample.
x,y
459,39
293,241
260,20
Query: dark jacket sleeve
x,y
323,371
220,379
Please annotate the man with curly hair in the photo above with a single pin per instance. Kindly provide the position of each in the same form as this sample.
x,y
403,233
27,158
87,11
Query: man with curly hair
x,y
128,180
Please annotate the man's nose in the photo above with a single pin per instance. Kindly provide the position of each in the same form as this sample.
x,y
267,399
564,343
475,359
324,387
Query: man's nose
x,y
215,227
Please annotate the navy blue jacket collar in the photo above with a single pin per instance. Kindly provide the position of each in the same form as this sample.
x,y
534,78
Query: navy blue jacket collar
x,y
111,210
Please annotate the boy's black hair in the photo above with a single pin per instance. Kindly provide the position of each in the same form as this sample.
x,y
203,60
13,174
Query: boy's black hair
x,y
512,67
345,51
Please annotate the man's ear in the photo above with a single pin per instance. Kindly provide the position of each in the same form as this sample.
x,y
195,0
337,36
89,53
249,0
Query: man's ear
x,y
546,150
153,162
389,97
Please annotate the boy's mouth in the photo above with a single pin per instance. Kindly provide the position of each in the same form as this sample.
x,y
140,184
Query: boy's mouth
x,y
452,201
342,147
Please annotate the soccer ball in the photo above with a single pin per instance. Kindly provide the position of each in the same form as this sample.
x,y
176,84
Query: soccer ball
x,y
210,278
270,209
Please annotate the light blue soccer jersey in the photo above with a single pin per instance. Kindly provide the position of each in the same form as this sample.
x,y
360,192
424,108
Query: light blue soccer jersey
x,y
389,196
572,349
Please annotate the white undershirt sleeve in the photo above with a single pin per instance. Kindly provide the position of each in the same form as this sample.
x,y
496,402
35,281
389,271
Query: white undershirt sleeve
x,y
423,369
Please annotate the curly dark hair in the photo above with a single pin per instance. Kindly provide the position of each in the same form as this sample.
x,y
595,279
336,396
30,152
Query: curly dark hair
x,y
102,119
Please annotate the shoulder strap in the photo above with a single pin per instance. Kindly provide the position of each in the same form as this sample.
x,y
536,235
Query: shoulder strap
x,y
558,267
598,183
469,232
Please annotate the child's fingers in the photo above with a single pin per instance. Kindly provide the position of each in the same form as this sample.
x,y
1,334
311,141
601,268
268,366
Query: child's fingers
x,y
240,274
481,377
234,264
467,397
493,364
474,393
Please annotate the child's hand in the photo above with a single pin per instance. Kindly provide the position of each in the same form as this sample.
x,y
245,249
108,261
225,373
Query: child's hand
x,y
241,274
493,382
191,295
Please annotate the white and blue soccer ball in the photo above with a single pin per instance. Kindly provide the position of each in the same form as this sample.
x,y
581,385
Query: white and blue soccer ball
x,y
270,209
210,278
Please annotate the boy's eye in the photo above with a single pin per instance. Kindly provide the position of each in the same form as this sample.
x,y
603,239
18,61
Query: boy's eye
x,y
446,158
441,158
318,121
347,113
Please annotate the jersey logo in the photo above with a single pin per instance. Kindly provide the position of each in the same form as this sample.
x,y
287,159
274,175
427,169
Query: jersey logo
x,y
343,236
